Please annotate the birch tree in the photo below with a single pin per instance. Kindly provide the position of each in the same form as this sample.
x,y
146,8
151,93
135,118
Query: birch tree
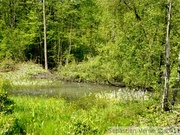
x,y
165,105
45,45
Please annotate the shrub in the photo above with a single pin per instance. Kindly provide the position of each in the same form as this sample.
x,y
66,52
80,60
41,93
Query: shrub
x,y
6,104
84,128
7,65
31,70
10,125
5,86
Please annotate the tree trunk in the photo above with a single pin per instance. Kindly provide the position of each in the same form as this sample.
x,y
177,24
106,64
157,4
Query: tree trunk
x,y
59,51
45,45
165,105
70,45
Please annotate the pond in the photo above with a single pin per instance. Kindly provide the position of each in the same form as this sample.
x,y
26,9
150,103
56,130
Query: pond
x,y
68,90
72,90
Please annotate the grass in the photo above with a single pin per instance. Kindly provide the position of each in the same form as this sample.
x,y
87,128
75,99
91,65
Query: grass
x,y
88,115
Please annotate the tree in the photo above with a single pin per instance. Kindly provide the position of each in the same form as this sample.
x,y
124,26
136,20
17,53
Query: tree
x,y
165,105
45,45
17,29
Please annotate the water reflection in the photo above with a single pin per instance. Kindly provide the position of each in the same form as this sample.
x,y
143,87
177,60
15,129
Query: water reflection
x,y
71,91
68,90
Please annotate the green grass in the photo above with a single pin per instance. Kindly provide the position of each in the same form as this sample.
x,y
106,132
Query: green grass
x,y
88,115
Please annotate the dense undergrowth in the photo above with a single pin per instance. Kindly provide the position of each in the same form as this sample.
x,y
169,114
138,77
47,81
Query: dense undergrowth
x,y
91,114
99,71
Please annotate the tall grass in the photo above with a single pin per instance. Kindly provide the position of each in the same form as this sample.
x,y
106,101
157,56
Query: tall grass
x,y
88,115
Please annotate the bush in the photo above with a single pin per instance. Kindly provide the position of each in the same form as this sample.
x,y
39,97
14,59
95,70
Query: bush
x,y
6,104
84,129
5,86
31,70
8,124
7,65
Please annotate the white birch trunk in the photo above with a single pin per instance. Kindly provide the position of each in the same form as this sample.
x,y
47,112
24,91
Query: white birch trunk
x,y
45,45
165,105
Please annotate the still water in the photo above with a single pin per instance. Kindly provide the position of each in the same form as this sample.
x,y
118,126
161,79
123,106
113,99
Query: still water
x,y
68,90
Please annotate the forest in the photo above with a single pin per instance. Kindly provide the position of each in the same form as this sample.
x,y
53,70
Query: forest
x,y
125,43
123,40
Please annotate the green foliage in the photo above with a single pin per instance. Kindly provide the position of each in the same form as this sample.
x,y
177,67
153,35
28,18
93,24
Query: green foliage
x,y
92,41
30,69
83,72
30,75
5,86
6,104
89,102
124,40
7,65
88,115
9,125
84,128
